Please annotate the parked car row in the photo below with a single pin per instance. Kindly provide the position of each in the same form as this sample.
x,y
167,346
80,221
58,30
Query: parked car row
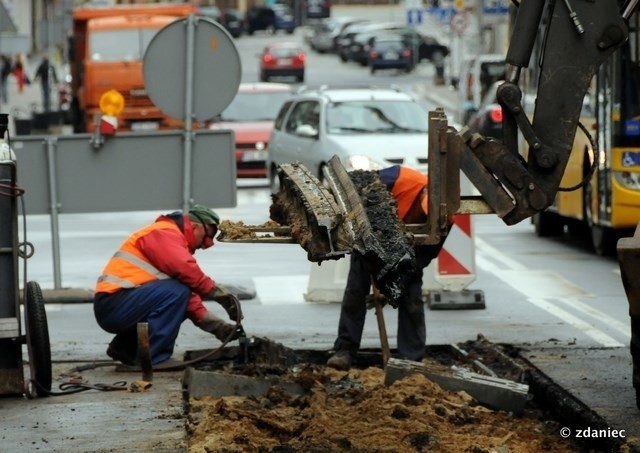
x,y
258,17
368,128
375,44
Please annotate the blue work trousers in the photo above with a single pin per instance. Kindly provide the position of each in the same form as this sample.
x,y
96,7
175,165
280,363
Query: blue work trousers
x,y
160,303
412,331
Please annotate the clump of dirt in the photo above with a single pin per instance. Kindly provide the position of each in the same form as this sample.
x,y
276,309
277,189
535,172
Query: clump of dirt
x,y
389,255
238,230
353,411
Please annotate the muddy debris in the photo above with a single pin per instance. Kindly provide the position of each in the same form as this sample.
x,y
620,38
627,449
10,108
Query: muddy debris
x,y
238,230
379,235
354,411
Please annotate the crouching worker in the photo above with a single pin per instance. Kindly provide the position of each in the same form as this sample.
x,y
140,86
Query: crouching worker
x,y
154,278
409,188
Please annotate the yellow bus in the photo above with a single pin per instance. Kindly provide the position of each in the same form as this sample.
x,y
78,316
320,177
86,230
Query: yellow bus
x,y
600,191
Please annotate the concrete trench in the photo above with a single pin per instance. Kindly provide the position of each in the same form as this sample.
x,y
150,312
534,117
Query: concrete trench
x,y
265,367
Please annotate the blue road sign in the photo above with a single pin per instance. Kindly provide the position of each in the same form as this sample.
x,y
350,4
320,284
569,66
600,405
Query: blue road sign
x,y
442,14
414,16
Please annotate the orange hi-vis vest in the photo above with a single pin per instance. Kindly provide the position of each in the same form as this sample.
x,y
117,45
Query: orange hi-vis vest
x,y
128,268
405,184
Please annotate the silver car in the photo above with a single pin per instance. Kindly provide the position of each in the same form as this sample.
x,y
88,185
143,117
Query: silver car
x,y
368,128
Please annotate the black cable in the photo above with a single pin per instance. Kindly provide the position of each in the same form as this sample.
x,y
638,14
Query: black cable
x,y
592,169
77,386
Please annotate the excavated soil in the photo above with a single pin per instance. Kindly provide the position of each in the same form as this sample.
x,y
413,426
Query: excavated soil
x,y
238,230
355,412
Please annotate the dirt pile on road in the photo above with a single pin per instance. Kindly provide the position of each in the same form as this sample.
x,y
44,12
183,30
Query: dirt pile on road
x,y
353,411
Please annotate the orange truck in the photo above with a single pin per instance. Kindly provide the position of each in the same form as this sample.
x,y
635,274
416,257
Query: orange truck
x,y
106,50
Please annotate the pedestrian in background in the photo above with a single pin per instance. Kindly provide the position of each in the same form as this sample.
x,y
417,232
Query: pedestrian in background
x,y
5,70
409,188
19,74
154,278
47,76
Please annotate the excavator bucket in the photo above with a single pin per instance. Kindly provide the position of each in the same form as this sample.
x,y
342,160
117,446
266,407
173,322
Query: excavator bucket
x,y
350,212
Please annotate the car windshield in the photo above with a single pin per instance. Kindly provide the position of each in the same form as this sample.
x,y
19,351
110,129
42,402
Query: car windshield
x,y
254,106
373,116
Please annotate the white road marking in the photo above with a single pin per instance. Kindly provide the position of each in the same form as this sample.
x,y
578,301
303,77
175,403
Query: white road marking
x,y
545,289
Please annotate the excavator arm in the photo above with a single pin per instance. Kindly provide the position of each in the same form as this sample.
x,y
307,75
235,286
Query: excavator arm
x,y
579,35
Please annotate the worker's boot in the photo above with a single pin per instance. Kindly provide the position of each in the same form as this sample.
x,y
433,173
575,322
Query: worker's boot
x,y
341,360
220,329
124,348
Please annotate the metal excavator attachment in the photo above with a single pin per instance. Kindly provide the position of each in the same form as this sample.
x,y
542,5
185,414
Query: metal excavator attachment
x,y
355,213
348,213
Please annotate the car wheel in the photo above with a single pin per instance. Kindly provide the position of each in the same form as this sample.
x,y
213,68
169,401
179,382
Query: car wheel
x,y
343,58
372,70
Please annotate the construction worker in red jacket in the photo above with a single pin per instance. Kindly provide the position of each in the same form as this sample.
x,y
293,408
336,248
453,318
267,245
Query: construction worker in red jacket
x,y
154,278
409,189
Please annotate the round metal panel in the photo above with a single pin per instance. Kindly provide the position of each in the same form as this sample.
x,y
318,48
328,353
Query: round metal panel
x,y
216,69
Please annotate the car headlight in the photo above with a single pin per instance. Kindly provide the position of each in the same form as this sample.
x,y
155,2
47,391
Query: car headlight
x,y
360,162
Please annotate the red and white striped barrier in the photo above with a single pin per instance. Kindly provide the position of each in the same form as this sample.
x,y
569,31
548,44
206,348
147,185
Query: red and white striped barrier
x,y
456,263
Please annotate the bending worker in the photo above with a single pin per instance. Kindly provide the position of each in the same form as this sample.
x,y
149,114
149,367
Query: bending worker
x,y
409,188
154,278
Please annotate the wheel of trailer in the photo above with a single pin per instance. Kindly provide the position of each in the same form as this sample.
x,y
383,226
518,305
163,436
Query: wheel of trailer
x,y
547,224
38,338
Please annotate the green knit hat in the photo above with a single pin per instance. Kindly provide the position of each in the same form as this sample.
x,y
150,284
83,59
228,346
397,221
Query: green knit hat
x,y
202,214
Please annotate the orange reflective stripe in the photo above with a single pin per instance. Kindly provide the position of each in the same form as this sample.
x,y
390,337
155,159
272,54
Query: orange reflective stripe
x,y
120,272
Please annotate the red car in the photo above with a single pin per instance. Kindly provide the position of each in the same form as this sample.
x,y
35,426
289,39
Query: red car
x,y
283,59
251,115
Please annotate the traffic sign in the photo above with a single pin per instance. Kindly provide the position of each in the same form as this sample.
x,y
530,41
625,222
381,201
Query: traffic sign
x,y
442,14
215,72
414,16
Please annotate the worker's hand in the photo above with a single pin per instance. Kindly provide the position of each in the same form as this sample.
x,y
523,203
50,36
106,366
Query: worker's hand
x,y
216,326
219,291
228,301
371,300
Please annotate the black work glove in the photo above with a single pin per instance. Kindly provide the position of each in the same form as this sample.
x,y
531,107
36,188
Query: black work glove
x,y
228,301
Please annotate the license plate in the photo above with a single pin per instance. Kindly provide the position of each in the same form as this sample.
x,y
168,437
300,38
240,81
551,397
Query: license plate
x,y
390,56
252,156
145,126
285,61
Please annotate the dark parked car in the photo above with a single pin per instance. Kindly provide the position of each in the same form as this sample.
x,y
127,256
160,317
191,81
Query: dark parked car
x,y
283,59
318,9
233,21
390,52
325,33
355,46
271,18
